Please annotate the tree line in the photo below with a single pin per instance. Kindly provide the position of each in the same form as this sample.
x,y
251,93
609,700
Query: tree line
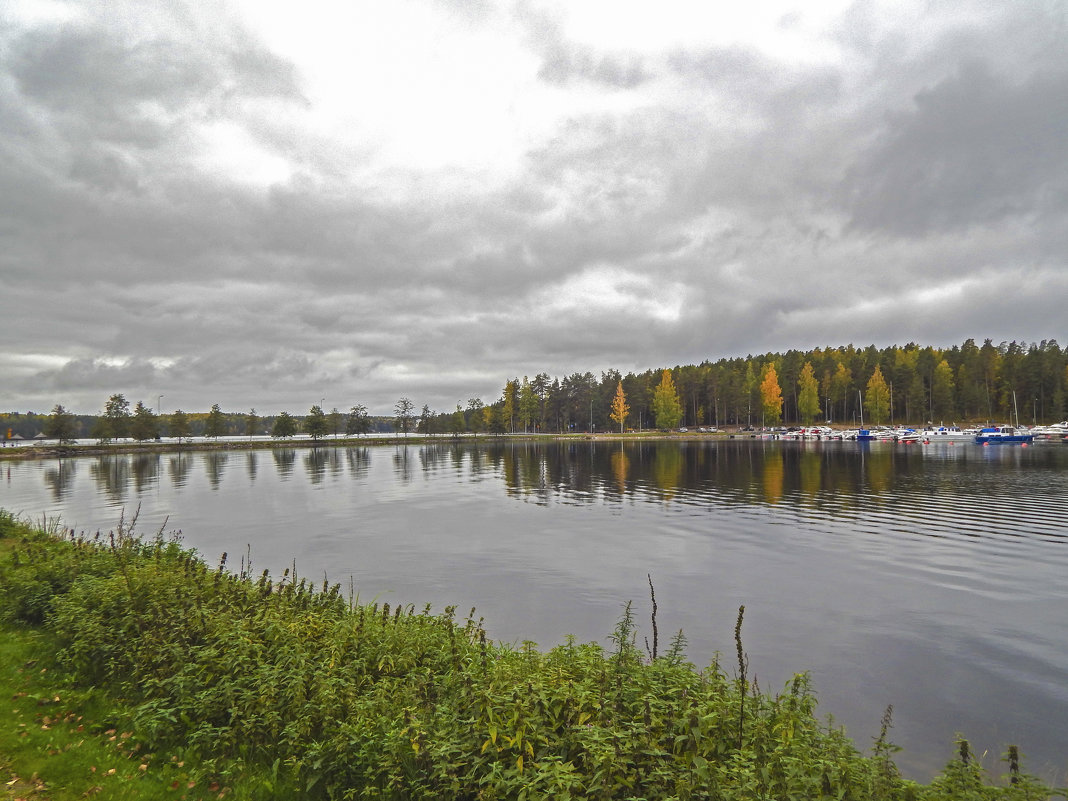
x,y
844,385
906,384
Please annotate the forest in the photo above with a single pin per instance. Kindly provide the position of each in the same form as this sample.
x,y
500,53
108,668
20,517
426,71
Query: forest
x,y
964,383
910,384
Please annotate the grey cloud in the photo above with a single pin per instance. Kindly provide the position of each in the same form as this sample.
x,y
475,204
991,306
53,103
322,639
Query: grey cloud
x,y
779,207
974,150
565,63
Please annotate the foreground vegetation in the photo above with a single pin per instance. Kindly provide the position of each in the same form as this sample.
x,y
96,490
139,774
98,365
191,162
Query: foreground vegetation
x,y
159,676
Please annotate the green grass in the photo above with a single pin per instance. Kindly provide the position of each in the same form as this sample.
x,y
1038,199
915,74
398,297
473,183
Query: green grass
x,y
258,687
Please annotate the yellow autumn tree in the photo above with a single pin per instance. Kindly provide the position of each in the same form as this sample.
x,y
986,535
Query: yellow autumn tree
x,y
771,395
808,399
877,397
620,409
666,406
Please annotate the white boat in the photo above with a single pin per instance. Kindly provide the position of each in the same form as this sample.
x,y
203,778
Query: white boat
x,y
907,435
1054,431
947,433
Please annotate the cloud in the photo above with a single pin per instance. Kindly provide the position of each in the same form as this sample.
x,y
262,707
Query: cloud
x,y
224,204
975,150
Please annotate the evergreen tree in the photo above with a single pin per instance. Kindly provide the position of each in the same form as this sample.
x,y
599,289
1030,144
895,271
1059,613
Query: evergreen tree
x,y
457,423
841,384
116,418
942,396
528,405
284,426
178,425
403,415
359,422
213,426
315,422
475,418
60,424
144,425
252,422
510,397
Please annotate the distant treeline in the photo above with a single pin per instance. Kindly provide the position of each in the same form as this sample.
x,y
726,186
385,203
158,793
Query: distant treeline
x,y
964,383
969,382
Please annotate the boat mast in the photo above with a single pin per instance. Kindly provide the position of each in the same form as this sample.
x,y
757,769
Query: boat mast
x,y
860,400
1016,408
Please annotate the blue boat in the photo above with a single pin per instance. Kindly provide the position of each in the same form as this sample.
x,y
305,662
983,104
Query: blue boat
x,y
999,434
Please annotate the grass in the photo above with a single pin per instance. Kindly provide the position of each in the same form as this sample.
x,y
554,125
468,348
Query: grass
x,y
191,680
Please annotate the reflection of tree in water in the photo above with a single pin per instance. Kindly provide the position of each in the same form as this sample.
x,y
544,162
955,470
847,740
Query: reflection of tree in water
x,y
284,459
811,469
315,464
359,460
620,467
774,474
112,476
457,453
252,464
431,457
745,472
880,468
214,462
667,470
145,471
178,467
402,463
525,469
334,461
59,478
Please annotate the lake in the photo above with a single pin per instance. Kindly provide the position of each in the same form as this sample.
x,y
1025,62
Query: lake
x,y
930,577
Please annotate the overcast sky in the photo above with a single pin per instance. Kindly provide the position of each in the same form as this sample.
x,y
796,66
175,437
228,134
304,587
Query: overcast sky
x,y
259,203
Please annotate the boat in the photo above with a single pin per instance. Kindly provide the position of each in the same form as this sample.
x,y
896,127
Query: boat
x,y
907,435
1054,431
880,434
948,433
1000,434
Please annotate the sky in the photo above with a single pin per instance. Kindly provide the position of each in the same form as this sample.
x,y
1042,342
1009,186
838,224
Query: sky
x,y
272,205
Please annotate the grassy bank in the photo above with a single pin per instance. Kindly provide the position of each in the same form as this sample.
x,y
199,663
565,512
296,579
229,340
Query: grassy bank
x,y
199,681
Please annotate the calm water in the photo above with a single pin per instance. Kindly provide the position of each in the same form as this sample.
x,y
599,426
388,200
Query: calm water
x,y
931,577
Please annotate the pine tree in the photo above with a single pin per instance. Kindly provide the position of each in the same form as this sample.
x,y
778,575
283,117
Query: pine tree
x,y
315,422
284,426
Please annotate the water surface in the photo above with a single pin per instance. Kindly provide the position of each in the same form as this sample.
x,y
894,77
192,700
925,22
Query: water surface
x,y
930,577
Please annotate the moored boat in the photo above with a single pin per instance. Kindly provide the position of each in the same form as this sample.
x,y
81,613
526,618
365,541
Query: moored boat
x,y
948,433
999,434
